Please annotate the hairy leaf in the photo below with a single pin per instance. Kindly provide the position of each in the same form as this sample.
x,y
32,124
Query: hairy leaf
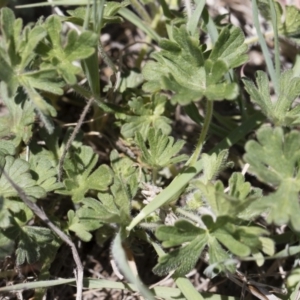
x,y
17,124
111,8
62,57
80,177
144,114
31,239
183,68
18,56
19,171
274,159
161,149
282,112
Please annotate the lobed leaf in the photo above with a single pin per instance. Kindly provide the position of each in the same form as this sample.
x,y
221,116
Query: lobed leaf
x,y
161,149
282,112
77,47
145,113
181,68
19,171
80,178
274,159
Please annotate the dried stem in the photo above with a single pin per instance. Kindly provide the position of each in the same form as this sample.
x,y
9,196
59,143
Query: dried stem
x,y
72,137
41,214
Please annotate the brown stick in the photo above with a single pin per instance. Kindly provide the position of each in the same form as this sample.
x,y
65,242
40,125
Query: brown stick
x,y
72,137
41,214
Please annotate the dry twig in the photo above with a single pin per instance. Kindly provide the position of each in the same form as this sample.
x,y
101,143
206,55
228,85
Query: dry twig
x,y
41,214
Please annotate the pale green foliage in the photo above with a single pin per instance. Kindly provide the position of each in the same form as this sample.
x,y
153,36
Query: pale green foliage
x,y
17,124
82,222
288,18
113,206
282,112
17,52
78,15
213,165
239,240
6,148
62,57
80,177
221,227
19,171
29,239
184,67
14,215
145,113
44,173
274,159
218,224
161,149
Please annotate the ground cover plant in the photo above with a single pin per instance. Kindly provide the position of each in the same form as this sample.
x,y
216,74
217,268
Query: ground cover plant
x,y
163,164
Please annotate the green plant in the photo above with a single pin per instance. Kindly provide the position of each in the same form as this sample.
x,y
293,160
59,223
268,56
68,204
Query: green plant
x,y
55,188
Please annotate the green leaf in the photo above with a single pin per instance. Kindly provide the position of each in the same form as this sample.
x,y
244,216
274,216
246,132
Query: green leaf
x,y
17,124
183,259
288,19
213,165
19,60
77,47
104,210
19,171
114,205
130,80
176,235
80,178
34,37
291,25
82,226
44,173
111,8
230,47
6,246
274,159
242,190
219,203
4,214
44,80
161,149
7,148
122,198
282,112
30,240
220,229
181,67
217,259
235,247
144,114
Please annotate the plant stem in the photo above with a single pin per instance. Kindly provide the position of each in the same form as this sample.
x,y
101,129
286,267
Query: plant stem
x,y
141,11
264,47
106,58
276,38
206,123
154,175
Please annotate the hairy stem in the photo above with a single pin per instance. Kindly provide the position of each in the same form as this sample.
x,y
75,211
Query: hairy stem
x,y
206,123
